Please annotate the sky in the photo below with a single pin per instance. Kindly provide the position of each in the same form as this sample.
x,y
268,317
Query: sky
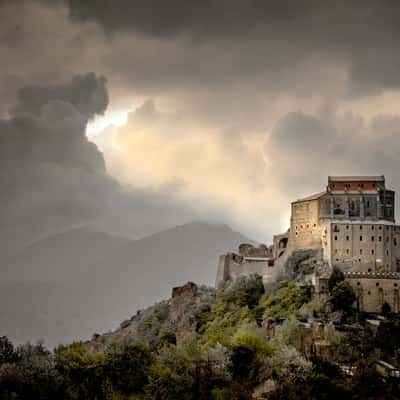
x,y
137,115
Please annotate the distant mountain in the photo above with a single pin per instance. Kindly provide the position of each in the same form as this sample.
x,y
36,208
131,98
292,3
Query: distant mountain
x,y
74,283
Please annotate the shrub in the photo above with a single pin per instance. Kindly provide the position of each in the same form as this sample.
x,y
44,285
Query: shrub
x,y
287,300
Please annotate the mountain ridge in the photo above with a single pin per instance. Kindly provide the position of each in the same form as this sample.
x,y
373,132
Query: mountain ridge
x,y
70,284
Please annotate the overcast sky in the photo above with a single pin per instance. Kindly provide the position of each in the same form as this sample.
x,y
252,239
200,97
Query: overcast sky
x,y
222,109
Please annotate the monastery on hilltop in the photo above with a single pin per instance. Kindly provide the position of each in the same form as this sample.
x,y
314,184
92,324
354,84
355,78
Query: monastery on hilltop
x,y
351,226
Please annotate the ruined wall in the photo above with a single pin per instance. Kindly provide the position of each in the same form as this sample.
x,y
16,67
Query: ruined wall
x,y
280,244
375,289
231,266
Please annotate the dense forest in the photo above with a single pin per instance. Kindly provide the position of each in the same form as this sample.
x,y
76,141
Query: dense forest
x,y
243,341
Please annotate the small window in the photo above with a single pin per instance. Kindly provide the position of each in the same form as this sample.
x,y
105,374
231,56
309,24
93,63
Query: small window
x,y
347,251
372,227
360,251
308,226
347,227
361,238
395,241
368,203
359,260
377,284
336,251
380,238
369,269
360,227
372,251
387,238
387,252
395,285
358,283
369,292
335,237
372,238
347,237
315,225
380,228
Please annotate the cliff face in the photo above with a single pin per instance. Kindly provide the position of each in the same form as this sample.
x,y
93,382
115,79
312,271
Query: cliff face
x,y
176,318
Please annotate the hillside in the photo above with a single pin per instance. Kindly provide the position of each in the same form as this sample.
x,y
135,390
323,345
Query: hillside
x,y
243,341
71,284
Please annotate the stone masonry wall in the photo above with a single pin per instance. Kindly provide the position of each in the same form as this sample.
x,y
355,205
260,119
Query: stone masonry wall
x,y
305,230
373,290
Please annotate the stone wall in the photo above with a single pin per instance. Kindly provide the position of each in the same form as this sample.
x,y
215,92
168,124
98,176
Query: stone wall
x,y
305,230
231,266
363,246
375,289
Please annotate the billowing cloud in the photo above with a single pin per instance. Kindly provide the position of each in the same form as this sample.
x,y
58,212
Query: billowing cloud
x,y
54,178
253,102
248,178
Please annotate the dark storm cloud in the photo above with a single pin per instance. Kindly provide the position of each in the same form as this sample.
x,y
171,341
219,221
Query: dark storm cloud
x,y
304,149
48,167
52,177
86,93
363,35
232,69
157,17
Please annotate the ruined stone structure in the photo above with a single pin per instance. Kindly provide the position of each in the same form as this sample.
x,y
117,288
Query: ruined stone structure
x,y
352,227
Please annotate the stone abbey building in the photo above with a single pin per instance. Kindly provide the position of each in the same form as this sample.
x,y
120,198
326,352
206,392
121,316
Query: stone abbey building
x,y
351,226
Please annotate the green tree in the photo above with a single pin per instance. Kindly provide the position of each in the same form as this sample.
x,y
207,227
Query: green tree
x,y
81,373
236,304
368,383
336,277
171,376
286,301
127,367
7,353
342,296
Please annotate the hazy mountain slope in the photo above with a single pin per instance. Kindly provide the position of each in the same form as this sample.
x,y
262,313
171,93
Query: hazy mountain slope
x,y
72,284
59,257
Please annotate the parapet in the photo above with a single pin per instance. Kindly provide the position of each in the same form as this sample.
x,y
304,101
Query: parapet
x,y
372,275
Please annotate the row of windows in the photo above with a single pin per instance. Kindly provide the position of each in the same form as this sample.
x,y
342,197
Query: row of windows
x,y
360,185
372,239
361,251
377,284
307,226
372,227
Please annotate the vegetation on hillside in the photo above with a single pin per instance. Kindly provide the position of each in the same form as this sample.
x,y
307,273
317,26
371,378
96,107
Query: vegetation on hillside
x,y
247,342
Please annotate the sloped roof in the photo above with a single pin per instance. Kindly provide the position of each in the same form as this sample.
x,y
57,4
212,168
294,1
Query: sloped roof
x,y
315,196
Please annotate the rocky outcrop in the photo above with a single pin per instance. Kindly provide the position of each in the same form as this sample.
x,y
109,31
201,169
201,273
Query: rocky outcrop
x,y
179,316
186,304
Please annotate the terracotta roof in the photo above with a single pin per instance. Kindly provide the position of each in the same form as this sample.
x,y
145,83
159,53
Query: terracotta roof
x,y
377,178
